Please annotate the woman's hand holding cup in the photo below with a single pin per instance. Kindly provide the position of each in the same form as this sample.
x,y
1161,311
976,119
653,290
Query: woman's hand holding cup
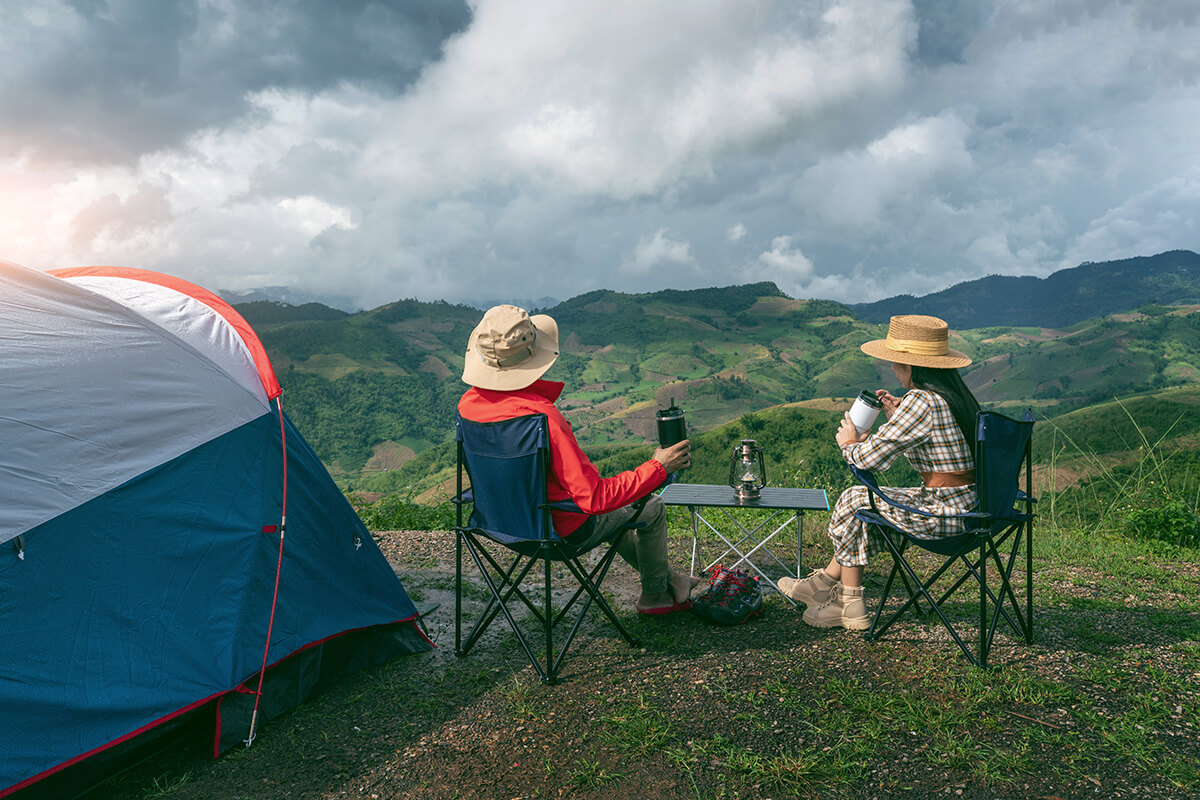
x,y
889,400
848,434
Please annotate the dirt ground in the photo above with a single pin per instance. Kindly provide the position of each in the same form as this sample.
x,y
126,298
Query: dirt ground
x,y
623,719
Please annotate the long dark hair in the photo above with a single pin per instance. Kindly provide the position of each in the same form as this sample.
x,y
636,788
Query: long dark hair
x,y
949,384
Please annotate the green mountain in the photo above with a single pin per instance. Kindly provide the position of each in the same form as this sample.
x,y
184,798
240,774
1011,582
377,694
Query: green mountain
x,y
1062,299
1117,462
373,389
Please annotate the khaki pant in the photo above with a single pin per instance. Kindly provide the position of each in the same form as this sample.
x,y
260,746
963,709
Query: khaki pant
x,y
645,548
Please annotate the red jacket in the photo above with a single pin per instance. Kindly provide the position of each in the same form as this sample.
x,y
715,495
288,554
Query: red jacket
x,y
572,475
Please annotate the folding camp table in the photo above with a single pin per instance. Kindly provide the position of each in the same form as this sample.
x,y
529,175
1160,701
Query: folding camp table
x,y
787,507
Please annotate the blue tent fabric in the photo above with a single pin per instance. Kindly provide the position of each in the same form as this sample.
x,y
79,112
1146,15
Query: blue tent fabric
x,y
155,597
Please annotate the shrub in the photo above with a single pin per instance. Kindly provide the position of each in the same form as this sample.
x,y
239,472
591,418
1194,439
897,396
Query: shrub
x,y
396,513
1159,514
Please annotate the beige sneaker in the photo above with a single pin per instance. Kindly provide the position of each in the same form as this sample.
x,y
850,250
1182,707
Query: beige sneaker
x,y
814,590
845,608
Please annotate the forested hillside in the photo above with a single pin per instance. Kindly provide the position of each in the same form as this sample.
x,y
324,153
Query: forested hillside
x,y
1132,464
373,389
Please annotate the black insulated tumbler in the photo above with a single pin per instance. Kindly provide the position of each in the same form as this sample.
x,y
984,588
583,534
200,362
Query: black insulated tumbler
x,y
671,427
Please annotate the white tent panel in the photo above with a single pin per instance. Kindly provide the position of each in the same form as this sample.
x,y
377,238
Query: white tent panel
x,y
189,319
81,416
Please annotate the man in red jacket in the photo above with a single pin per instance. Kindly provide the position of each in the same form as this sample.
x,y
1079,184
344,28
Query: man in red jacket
x,y
507,355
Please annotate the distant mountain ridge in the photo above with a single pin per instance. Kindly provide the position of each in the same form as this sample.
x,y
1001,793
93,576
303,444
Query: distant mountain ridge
x,y
287,296
373,387
1064,298
527,303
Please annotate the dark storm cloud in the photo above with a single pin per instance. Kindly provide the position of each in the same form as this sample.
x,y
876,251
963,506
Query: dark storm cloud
x,y
846,149
97,80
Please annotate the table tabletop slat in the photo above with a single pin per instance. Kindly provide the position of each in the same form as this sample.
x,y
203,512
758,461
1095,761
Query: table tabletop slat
x,y
771,497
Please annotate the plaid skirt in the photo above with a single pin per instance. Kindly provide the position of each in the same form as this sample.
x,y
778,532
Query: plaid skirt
x,y
853,545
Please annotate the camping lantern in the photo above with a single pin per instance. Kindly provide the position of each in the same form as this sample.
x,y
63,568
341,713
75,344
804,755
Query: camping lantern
x,y
747,472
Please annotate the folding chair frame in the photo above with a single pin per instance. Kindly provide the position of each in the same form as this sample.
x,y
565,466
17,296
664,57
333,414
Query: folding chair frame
x,y
504,582
988,530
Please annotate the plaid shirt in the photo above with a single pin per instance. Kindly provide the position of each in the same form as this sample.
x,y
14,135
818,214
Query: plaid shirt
x,y
924,430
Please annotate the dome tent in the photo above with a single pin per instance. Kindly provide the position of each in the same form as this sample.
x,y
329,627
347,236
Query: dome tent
x,y
149,476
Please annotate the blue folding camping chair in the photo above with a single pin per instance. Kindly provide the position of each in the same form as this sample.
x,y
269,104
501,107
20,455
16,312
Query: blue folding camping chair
x,y
1002,453
507,464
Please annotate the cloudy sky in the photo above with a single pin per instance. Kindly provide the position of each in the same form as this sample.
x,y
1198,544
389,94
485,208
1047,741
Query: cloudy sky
x,y
502,149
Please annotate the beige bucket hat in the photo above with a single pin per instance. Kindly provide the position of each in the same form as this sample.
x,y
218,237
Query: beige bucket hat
x,y
509,349
918,341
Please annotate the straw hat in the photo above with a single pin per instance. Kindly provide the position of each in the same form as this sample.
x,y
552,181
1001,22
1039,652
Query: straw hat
x,y
919,341
509,349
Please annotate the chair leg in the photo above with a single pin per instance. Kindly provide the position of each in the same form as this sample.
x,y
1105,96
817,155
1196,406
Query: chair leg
x,y
916,603
591,586
1029,580
985,639
906,572
875,631
595,577
507,584
1001,602
1023,626
977,569
588,583
551,675
504,584
498,605
458,592
899,563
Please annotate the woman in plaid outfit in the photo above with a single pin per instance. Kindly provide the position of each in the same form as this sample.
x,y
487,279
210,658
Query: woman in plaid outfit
x,y
933,426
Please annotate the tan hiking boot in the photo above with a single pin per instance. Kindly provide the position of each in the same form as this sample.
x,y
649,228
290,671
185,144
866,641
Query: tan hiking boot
x,y
814,590
845,608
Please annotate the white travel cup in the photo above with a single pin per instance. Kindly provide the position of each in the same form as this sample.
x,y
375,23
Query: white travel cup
x,y
864,411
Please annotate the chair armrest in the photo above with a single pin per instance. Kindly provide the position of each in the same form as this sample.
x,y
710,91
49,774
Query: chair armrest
x,y
565,505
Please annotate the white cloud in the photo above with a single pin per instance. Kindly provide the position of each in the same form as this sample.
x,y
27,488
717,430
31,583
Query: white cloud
x,y
1085,152
549,137
785,265
626,100
1149,222
311,215
658,252
787,262
866,190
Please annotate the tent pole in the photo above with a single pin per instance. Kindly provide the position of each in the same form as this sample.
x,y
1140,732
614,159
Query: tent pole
x,y
262,673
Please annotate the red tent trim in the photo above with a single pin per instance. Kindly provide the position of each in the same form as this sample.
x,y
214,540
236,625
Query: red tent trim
x,y
198,293
240,689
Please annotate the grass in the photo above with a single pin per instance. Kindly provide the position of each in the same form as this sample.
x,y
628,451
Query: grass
x,y
164,785
1145,487
1105,701
519,693
637,727
1109,692
1100,710
589,775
